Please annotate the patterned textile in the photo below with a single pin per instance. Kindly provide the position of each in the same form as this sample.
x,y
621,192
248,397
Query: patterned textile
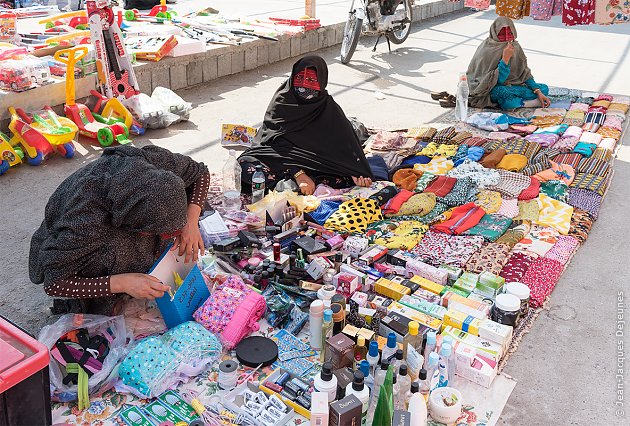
x,y
543,139
441,185
585,149
623,108
564,249
518,230
445,135
501,136
422,133
489,201
574,118
590,182
578,12
554,213
601,103
446,150
418,204
607,144
490,227
437,166
438,248
460,137
578,106
491,258
513,162
404,237
555,189
602,154
324,210
429,150
531,191
463,192
523,147
355,215
538,167
516,266
475,141
588,201
543,9
541,278
509,207
548,120
571,159
581,223
511,184
538,242
594,166
528,210
515,9
614,122
480,175
609,132
424,181
594,117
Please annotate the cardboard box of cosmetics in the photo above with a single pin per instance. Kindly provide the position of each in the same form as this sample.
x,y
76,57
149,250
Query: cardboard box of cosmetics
x,y
237,401
303,411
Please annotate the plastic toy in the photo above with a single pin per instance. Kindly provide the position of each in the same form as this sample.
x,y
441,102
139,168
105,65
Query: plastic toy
x,y
70,39
80,114
41,135
14,78
9,156
158,13
77,19
114,111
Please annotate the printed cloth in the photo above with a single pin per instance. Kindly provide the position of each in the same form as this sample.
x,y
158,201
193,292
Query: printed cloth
x,y
513,162
429,150
490,121
569,139
490,227
463,192
604,97
490,258
511,184
581,223
445,135
541,278
585,149
591,127
531,191
538,242
543,139
615,106
355,215
418,205
515,9
438,248
441,185
588,100
437,166
579,106
522,129
603,154
405,237
446,150
614,122
558,171
523,147
424,181
548,120
462,219
476,141
549,112
609,132
574,117
564,249
460,137
390,141
383,196
509,208
555,189
324,210
585,200
616,113
554,213
423,133
558,129
481,176
515,233
578,12
532,169
516,266
570,158
490,201
590,182
601,103
594,166
608,144
528,210
624,100
392,206
501,136
543,10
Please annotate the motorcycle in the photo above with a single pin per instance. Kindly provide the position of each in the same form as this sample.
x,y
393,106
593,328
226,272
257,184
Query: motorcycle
x,y
389,18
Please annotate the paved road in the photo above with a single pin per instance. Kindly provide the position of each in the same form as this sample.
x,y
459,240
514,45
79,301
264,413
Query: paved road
x,y
566,366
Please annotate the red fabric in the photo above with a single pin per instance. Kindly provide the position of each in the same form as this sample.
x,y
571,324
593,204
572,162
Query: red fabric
x,y
306,78
541,278
393,205
531,191
516,267
441,186
506,34
578,12
463,218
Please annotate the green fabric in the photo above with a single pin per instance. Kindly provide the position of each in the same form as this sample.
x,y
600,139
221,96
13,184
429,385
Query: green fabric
x,y
385,405
555,189
82,386
490,227
424,181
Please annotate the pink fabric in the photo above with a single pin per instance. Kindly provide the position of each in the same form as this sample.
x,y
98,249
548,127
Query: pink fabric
x,y
244,320
543,139
216,312
614,122
516,267
621,100
543,10
541,278
563,249
608,143
590,137
509,208
578,106
502,136
531,191
605,97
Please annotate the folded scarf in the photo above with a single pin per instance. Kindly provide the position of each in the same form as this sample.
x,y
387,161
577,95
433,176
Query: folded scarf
x,y
609,132
422,133
511,184
516,266
502,136
543,139
490,201
558,129
463,192
608,144
564,249
393,205
555,214
491,160
509,207
613,122
406,178
417,205
541,278
531,191
558,171
491,258
445,135
585,200
480,175
574,118
578,106
581,223
441,185
462,219
522,129
513,162
585,149
355,215
437,166
490,227
424,181
555,189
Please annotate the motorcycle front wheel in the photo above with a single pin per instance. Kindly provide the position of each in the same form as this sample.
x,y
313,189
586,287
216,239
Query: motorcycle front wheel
x,y
351,34
399,36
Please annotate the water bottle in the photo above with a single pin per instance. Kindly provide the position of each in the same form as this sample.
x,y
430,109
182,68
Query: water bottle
x,y
461,102
232,183
258,185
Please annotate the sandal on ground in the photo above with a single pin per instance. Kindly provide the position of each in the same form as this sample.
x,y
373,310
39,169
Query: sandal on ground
x,y
447,103
436,96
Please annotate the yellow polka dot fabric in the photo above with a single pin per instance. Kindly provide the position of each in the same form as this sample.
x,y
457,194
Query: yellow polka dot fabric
x,y
405,237
355,215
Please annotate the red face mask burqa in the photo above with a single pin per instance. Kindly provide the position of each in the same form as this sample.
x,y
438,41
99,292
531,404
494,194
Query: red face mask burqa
x,y
506,34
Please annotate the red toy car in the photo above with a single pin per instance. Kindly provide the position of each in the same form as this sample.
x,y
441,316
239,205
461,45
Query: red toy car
x,y
14,79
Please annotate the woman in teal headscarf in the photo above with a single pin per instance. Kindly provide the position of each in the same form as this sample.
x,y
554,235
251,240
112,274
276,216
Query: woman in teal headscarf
x,y
498,73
